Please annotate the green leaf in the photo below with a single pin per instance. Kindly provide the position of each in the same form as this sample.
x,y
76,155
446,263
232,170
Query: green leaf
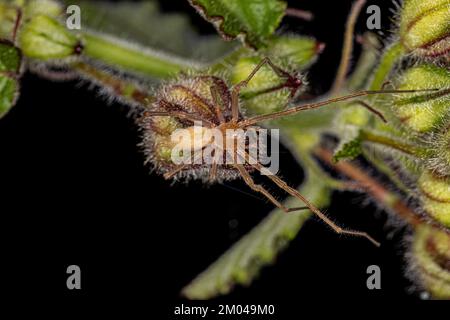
x,y
252,20
8,93
10,58
349,150
293,54
10,61
243,261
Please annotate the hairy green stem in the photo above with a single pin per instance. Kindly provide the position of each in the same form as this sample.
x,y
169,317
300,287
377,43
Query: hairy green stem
x,y
387,62
126,90
413,150
119,54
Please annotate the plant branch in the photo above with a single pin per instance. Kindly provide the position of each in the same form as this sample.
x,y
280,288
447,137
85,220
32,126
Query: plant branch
x,y
123,89
300,14
116,53
412,150
348,47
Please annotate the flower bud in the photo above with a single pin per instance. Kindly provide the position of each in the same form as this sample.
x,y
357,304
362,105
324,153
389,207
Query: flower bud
x,y
268,92
258,96
431,260
49,8
300,52
440,162
425,27
436,196
8,16
423,111
45,38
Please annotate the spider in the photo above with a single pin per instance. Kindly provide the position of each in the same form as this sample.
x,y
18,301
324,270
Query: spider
x,y
208,101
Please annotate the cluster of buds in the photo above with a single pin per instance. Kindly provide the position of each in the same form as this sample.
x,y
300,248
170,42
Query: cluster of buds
x,y
430,256
425,28
424,121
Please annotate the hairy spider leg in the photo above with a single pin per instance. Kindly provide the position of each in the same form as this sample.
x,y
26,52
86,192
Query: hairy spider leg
x,y
179,115
217,103
284,186
309,106
237,88
179,168
258,188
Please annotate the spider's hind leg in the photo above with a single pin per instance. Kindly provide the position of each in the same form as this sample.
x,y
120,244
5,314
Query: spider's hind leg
x,y
258,188
284,186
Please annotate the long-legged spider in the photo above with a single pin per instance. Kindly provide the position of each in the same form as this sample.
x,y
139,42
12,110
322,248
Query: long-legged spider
x,y
209,101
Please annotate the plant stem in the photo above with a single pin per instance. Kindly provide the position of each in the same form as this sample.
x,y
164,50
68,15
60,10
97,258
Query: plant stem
x,y
393,143
139,60
387,62
126,90
373,187
366,63
347,48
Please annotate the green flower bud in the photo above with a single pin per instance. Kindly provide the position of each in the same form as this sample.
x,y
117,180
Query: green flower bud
x,y
261,95
8,16
354,115
440,162
45,38
431,260
49,8
436,196
425,27
292,54
10,61
300,52
423,112
258,95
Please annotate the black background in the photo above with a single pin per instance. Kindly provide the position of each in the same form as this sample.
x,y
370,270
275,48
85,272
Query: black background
x,y
74,190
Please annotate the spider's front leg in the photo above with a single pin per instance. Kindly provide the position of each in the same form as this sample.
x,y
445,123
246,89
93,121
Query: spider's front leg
x,y
292,82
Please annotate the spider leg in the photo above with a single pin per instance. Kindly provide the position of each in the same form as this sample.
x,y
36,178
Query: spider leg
x,y
172,173
258,188
197,155
315,105
372,109
177,114
284,186
217,103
